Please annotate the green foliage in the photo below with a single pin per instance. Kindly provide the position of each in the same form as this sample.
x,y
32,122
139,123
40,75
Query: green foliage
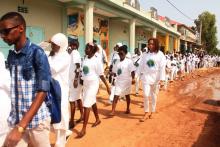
x,y
209,32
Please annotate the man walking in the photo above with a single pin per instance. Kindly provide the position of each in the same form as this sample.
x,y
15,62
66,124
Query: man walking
x,y
29,118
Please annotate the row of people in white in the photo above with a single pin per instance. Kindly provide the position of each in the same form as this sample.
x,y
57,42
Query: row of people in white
x,y
151,72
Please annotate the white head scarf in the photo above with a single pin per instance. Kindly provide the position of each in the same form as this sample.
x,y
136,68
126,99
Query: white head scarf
x,y
119,44
60,40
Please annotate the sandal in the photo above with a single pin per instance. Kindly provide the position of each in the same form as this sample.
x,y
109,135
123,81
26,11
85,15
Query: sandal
x,y
96,123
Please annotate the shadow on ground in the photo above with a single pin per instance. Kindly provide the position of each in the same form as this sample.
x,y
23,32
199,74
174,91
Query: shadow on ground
x,y
210,135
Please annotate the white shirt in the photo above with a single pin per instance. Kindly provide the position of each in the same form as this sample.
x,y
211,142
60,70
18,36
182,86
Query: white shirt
x,y
91,68
102,54
136,60
173,64
74,58
114,56
152,67
123,69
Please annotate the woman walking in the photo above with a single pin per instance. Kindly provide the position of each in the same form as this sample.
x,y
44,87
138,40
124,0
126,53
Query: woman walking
x,y
152,73
92,70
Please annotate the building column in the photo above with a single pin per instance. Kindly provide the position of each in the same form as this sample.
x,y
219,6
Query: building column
x,y
190,47
175,44
186,48
64,20
178,44
132,35
167,43
154,33
89,21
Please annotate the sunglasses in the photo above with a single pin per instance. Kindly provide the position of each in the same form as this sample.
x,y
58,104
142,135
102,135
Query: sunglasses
x,y
5,32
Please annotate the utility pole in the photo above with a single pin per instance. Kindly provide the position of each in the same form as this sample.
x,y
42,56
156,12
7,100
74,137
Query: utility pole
x,y
200,32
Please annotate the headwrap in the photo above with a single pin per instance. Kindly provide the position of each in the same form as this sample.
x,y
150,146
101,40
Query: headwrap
x,y
60,40
119,44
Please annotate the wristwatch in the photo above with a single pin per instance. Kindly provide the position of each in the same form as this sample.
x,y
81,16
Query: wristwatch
x,y
20,129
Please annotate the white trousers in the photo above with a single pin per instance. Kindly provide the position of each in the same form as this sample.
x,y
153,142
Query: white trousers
x,y
173,74
150,91
137,82
166,81
60,138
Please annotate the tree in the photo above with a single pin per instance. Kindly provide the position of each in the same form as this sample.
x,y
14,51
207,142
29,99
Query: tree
x,y
209,31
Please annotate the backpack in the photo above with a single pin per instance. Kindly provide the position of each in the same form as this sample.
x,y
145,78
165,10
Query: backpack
x,y
53,101
53,98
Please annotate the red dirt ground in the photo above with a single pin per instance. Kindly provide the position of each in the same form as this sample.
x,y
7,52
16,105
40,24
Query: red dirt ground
x,y
188,114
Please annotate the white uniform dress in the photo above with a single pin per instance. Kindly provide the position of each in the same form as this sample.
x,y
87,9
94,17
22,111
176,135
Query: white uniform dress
x,y
91,70
74,93
59,65
152,70
5,102
123,80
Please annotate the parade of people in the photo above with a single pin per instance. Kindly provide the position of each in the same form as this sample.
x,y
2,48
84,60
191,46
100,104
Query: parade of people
x,y
149,80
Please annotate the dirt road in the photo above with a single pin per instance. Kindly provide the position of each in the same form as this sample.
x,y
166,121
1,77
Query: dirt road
x,y
188,114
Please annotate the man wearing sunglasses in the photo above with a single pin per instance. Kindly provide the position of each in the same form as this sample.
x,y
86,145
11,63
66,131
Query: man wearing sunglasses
x,y
29,118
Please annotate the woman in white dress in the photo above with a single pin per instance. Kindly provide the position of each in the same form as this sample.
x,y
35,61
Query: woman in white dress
x,y
59,61
124,70
5,102
92,70
152,72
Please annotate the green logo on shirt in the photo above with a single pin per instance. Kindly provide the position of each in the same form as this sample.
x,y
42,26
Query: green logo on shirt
x,y
85,70
119,71
150,63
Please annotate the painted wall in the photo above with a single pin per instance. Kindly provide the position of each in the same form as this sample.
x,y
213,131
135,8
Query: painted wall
x,y
76,28
43,15
162,39
118,32
142,37
171,44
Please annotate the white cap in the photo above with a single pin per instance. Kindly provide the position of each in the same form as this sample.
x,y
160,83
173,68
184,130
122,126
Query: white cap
x,y
119,44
